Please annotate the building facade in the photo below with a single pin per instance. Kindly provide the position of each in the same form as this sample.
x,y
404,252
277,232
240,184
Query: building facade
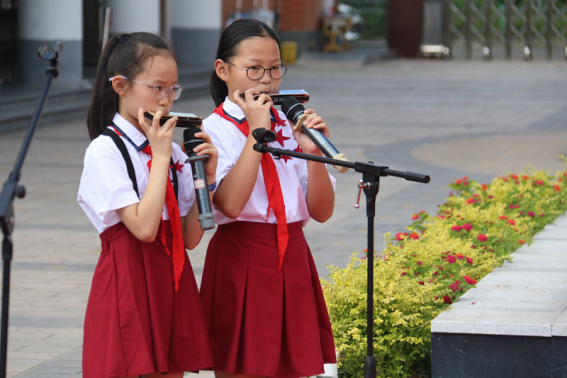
x,y
192,26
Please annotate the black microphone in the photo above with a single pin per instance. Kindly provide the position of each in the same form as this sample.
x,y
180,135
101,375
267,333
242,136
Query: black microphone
x,y
206,217
294,112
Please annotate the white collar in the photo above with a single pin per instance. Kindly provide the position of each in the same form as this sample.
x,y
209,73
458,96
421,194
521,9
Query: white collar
x,y
130,133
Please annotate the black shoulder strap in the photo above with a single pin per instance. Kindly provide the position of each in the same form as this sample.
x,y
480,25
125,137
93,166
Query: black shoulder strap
x,y
130,167
174,176
122,147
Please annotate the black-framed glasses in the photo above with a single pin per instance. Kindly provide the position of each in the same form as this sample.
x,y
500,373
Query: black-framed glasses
x,y
256,72
158,91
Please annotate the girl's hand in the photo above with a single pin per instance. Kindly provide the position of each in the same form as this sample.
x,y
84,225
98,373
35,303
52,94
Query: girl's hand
x,y
257,112
160,137
207,148
316,122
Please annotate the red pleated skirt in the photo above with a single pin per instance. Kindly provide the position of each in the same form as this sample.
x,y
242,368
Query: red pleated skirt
x,y
136,323
263,321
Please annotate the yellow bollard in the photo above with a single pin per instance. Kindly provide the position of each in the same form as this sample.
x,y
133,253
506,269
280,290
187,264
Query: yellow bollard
x,y
289,52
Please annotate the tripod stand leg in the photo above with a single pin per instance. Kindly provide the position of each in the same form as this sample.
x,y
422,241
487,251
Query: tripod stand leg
x,y
7,258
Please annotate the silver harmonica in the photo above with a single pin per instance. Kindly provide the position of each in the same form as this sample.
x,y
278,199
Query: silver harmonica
x,y
183,119
278,97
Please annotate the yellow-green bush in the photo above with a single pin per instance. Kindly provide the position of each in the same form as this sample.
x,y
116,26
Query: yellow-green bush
x,y
422,271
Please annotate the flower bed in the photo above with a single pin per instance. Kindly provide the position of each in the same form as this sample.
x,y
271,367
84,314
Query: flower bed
x,y
422,271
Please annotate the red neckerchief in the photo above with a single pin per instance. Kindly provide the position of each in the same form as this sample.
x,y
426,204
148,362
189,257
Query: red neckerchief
x,y
272,182
174,222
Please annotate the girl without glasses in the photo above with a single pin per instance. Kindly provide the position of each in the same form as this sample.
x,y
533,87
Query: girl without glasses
x,y
144,316
260,290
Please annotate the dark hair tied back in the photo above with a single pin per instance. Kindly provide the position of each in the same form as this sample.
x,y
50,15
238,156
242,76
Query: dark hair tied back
x,y
230,39
123,54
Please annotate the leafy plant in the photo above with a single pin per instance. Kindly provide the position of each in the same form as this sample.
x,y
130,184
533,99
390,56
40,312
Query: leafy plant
x,y
422,271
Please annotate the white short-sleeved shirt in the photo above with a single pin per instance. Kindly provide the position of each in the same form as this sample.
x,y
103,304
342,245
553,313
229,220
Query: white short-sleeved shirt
x,y
105,185
292,172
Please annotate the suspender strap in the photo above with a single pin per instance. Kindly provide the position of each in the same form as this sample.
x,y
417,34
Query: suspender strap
x,y
130,167
122,148
174,176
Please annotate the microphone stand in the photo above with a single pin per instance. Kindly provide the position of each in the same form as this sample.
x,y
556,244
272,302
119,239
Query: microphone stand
x,y
370,184
10,190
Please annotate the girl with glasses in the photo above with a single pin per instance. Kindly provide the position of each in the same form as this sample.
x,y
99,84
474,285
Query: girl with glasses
x,y
144,315
260,289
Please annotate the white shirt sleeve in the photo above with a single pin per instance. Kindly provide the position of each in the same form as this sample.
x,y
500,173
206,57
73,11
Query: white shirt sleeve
x,y
105,185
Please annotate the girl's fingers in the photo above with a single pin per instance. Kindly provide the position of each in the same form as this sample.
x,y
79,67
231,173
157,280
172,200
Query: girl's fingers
x,y
142,121
239,100
170,124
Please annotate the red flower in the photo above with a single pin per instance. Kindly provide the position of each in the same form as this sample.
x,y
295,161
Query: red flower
x,y
484,187
450,259
447,300
557,188
521,241
539,182
455,286
525,177
403,273
423,212
419,263
503,217
414,236
531,214
482,238
467,226
470,260
473,246
515,177
470,280
490,196
414,217
400,236
459,256
421,283
471,200
456,228
458,181
511,222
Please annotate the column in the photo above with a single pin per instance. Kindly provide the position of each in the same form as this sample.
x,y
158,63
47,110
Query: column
x,y
195,30
129,16
45,21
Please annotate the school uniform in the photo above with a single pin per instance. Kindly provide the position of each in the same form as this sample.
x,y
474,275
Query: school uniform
x,y
136,321
265,312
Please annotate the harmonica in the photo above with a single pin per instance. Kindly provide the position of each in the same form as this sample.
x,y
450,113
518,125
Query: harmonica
x,y
278,97
183,119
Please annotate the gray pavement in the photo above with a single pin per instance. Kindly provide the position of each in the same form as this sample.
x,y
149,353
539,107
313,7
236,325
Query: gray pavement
x,y
442,118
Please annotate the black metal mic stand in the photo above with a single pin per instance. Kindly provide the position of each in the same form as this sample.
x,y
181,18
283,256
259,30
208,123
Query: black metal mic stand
x,y
370,183
10,190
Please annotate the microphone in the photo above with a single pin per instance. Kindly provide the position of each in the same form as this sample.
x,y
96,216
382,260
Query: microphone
x,y
294,112
206,217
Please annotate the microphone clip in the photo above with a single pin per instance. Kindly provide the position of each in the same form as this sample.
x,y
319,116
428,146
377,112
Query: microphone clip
x,y
263,136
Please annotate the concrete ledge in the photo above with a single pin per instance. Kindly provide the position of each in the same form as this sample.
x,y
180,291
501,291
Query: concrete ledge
x,y
514,323
523,298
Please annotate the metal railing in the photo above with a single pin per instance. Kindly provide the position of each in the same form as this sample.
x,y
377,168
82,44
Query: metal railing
x,y
372,16
506,23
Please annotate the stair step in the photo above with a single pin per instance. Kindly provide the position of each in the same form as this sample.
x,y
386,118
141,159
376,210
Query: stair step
x,y
17,104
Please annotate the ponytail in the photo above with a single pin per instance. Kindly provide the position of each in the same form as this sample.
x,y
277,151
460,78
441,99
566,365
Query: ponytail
x,y
229,41
123,54
104,101
219,90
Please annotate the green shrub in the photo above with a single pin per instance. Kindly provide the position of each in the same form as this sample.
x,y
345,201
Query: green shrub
x,y
422,271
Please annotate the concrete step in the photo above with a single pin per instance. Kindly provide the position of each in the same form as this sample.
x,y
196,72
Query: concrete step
x,y
18,103
514,323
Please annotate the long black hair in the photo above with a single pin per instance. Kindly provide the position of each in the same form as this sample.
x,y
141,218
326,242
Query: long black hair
x,y
230,39
123,54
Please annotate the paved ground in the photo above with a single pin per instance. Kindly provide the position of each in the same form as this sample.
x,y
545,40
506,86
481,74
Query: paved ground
x,y
442,118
